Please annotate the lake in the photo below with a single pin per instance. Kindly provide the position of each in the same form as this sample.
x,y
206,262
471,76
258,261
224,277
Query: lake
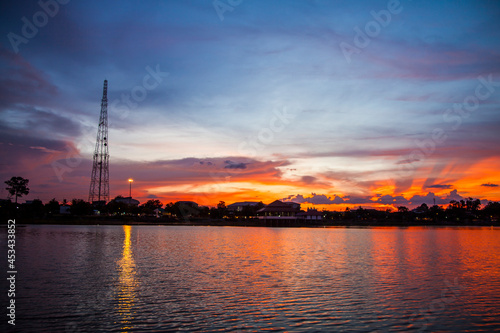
x,y
235,279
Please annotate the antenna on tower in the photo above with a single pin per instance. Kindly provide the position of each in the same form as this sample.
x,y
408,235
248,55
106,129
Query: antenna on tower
x,y
99,180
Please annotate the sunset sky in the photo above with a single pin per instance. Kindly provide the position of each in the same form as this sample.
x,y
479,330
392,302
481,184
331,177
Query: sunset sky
x,y
325,103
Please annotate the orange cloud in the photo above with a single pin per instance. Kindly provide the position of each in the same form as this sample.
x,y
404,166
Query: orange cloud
x,y
484,172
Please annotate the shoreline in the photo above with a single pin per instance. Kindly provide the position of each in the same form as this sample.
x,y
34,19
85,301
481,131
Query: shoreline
x,y
245,223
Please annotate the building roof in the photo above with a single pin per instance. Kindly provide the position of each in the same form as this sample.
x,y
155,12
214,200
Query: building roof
x,y
279,206
188,203
310,212
128,200
243,203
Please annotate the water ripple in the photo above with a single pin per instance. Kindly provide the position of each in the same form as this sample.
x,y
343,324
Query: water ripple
x,y
210,279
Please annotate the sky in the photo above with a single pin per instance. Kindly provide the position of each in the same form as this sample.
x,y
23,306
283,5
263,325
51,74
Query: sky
x,y
331,104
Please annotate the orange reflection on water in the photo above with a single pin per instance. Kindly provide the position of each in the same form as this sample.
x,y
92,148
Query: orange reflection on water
x,y
127,283
463,257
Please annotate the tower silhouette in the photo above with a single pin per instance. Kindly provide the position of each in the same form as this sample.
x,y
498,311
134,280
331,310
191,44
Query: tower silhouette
x,y
99,180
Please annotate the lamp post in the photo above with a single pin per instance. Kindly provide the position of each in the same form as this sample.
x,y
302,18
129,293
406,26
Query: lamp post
x,y
130,180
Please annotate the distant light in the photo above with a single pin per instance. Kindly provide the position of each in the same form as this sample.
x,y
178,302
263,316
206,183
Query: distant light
x,y
130,180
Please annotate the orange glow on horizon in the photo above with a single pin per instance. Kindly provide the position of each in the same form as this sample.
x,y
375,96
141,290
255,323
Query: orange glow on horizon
x,y
477,181
480,174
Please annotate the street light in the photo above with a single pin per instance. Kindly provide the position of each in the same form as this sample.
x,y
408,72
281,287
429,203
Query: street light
x,y
130,180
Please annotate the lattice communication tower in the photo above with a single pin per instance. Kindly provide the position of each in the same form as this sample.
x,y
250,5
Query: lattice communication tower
x,y
99,180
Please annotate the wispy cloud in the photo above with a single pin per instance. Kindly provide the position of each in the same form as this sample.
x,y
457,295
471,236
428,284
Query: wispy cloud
x,y
440,186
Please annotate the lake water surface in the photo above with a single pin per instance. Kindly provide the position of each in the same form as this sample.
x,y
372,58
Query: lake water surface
x,y
230,279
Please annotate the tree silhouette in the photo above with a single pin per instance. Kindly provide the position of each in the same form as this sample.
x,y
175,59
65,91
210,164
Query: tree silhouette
x,y
492,211
402,209
221,209
80,207
436,213
52,207
17,186
35,209
116,206
221,205
472,204
151,205
424,208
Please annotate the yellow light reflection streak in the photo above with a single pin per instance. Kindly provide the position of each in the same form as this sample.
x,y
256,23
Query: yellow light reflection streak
x,y
127,283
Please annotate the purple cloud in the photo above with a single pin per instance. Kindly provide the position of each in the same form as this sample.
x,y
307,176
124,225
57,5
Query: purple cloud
x,y
489,185
234,165
441,186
